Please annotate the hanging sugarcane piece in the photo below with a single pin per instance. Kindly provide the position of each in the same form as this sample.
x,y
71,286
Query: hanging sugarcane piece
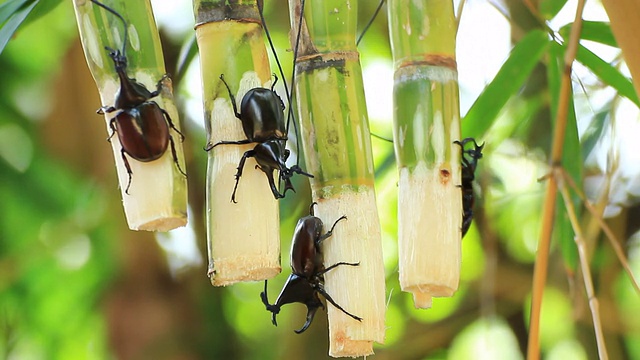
x,y
123,52
243,234
335,136
426,128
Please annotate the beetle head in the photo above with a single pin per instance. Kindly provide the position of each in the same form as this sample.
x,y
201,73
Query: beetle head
x,y
119,60
296,289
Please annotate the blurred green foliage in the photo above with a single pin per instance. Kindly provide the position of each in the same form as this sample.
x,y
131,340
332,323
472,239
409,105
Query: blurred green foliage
x,y
76,284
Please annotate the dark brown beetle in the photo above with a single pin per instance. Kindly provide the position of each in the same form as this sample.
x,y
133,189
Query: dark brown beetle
x,y
263,122
142,126
306,280
469,159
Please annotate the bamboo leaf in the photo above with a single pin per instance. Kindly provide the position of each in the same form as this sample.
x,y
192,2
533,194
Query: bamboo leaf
x,y
513,74
13,13
597,31
550,8
595,131
608,74
9,8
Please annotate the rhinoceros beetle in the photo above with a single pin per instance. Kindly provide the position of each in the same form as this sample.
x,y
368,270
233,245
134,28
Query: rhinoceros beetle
x,y
263,122
469,158
141,124
306,280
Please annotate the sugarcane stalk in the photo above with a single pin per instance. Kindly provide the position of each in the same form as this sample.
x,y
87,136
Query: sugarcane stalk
x,y
426,124
336,141
157,196
243,238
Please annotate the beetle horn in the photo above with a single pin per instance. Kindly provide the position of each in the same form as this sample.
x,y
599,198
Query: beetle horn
x,y
287,185
311,312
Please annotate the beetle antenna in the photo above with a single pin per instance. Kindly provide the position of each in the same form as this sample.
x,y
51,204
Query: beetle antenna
x,y
260,4
293,77
124,22
273,50
375,14
284,78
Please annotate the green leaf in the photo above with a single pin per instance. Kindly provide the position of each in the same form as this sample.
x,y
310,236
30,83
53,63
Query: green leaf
x,y
9,8
511,77
15,19
595,131
608,74
550,8
571,156
597,31
187,54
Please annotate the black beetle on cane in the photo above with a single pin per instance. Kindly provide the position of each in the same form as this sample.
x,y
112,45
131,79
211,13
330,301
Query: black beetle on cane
x,y
469,160
141,124
263,122
306,280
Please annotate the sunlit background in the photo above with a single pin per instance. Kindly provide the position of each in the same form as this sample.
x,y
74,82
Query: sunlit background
x,y
76,283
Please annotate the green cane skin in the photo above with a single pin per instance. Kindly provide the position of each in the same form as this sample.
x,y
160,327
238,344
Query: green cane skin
x,y
340,156
426,124
337,148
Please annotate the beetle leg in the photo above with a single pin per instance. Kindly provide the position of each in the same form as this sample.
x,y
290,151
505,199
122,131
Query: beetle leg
x,y
168,118
296,169
233,98
320,289
112,125
330,232
126,165
274,309
210,146
248,153
159,86
324,271
175,155
106,109
311,208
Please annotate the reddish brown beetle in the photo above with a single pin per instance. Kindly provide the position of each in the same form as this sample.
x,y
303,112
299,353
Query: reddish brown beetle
x,y
306,280
141,124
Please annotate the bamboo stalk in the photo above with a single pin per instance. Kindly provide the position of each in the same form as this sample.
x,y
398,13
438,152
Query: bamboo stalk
x,y
613,239
243,238
336,142
548,210
584,265
426,124
157,199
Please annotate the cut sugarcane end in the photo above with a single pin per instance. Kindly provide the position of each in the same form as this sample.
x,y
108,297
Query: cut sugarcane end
x,y
243,238
157,197
360,290
429,220
421,300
